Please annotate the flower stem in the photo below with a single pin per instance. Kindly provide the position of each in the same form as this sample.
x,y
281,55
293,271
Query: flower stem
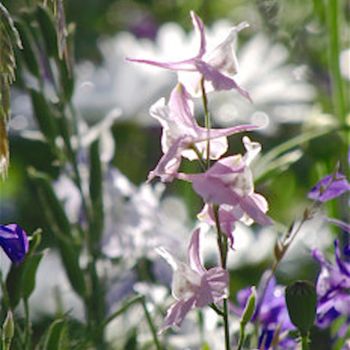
x,y
222,245
207,122
305,342
150,324
28,328
241,336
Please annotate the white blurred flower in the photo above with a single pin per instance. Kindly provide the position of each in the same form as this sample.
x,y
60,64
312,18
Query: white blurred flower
x,y
137,220
344,61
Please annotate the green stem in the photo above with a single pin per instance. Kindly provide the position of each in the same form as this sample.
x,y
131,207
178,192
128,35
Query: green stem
x,y
222,245
333,19
28,330
305,342
123,309
241,336
207,122
226,325
150,324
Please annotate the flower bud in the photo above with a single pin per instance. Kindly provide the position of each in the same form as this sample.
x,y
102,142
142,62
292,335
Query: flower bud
x,y
249,308
301,302
8,328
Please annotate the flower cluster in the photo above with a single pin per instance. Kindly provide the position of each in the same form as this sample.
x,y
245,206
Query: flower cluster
x,y
226,187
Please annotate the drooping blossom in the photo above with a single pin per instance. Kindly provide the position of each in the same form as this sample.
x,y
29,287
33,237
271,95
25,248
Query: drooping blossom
x,y
271,314
181,133
14,242
217,67
229,182
193,286
330,187
333,285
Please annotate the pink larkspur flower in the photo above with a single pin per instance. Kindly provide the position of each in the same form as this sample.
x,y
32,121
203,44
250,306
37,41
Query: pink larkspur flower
x,y
193,286
181,132
229,183
217,66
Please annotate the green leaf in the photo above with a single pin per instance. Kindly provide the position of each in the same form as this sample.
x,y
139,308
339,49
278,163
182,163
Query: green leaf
x,y
56,336
60,225
66,78
28,52
48,30
46,118
29,275
96,192
278,156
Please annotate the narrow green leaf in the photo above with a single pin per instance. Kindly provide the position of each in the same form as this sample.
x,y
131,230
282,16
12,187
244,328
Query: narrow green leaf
x,y
28,52
55,337
66,79
48,29
46,118
59,223
96,192
29,275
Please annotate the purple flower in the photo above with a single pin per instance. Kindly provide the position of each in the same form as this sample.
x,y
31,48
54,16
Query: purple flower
x,y
229,182
333,285
181,133
216,66
330,187
14,242
271,314
193,285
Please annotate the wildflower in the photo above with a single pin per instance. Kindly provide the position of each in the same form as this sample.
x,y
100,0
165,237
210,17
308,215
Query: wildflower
x,y
181,134
229,182
330,187
332,287
216,67
14,241
193,285
271,314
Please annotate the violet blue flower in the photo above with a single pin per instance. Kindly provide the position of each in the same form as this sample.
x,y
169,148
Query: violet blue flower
x,y
181,132
216,66
14,241
330,187
333,285
271,314
229,182
193,286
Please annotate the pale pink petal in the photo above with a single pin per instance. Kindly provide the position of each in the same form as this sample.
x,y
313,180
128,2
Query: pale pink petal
x,y
260,201
177,313
184,65
199,28
218,144
219,80
253,210
168,165
223,56
252,148
213,287
194,258
181,107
